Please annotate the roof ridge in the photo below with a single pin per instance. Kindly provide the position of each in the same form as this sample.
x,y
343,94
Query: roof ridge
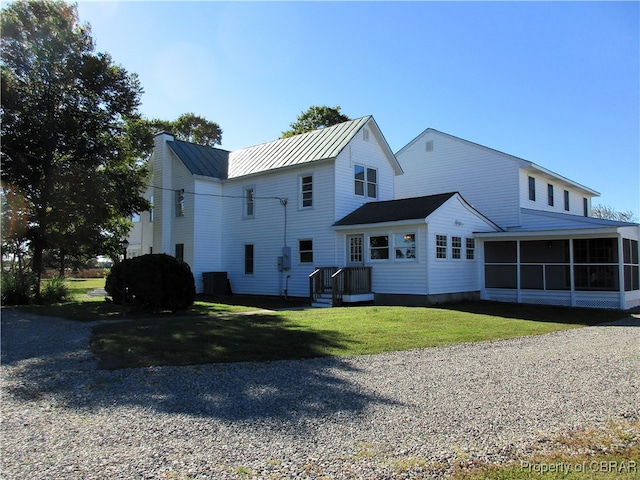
x,y
198,144
298,135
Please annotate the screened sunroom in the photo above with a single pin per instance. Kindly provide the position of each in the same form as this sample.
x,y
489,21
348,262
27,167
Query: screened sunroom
x,y
596,268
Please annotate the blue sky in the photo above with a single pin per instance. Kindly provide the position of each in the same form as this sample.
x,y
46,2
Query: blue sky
x,y
552,82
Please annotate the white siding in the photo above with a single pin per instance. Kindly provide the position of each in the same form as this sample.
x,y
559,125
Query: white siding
x,y
208,230
485,178
454,275
394,276
576,197
182,228
266,230
367,153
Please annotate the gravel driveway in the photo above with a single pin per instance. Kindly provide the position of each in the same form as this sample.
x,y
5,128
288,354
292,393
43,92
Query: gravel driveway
x,y
397,415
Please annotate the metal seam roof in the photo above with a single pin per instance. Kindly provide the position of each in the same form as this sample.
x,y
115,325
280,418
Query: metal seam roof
x,y
320,144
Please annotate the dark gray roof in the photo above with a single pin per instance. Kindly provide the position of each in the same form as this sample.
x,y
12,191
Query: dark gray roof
x,y
201,160
395,210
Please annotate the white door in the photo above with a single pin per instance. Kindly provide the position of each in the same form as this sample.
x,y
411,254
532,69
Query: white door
x,y
355,250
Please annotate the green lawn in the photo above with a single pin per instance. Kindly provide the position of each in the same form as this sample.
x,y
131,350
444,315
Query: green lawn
x,y
221,330
232,336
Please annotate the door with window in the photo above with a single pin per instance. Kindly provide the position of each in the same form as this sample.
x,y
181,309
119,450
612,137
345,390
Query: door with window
x,y
355,250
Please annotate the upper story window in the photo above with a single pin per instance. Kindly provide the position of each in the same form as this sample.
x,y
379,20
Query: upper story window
x,y
249,202
550,194
366,181
180,203
566,200
151,209
306,191
532,189
585,207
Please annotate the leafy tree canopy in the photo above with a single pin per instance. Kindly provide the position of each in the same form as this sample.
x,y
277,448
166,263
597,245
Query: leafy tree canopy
x,y
191,128
314,118
71,134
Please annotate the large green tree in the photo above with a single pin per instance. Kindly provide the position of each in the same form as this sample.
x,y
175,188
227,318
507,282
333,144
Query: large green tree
x,y
71,134
191,128
315,117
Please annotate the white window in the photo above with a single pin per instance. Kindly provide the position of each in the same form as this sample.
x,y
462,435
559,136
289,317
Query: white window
x,y
151,209
249,202
179,203
366,181
471,248
306,191
379,247
456,248
248,259
404,246
306,251
441,246
532,189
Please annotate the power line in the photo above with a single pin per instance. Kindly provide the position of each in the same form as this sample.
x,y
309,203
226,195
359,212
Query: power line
x,y
219,195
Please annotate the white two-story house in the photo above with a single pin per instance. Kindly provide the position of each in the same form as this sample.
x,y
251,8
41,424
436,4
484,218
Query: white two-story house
x,y
549,249
334,210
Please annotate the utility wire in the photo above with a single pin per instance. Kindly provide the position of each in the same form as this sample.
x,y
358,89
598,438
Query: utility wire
x,y
218,194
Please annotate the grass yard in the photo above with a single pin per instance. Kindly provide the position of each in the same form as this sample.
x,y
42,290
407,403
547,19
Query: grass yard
x,y
290,334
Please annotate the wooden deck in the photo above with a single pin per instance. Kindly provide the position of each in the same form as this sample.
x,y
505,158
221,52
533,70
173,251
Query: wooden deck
x,y
340,285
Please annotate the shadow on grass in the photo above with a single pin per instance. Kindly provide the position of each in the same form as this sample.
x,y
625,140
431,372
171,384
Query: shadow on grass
x,y
46,360
209,339
542,313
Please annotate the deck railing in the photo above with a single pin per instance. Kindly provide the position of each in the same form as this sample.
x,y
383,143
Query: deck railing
x,y
340,282
320,281
350,281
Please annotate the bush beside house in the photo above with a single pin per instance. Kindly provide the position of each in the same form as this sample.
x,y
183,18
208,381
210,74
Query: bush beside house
x,y
152,282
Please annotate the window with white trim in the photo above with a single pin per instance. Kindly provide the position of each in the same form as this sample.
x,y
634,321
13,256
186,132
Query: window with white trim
x,y
404,245
379,247
456,248
471,248
532,189
306,251
248,259
550,194
180,203
365,181
249,202
441,247
566,200
306,191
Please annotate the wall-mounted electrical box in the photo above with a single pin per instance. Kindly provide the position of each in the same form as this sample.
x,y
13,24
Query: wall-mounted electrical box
x,y
286,258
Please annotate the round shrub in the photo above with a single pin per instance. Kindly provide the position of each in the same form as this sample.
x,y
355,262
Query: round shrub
x,y
152,283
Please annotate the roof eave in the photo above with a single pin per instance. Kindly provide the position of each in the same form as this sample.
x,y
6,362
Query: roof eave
x,y
392,223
